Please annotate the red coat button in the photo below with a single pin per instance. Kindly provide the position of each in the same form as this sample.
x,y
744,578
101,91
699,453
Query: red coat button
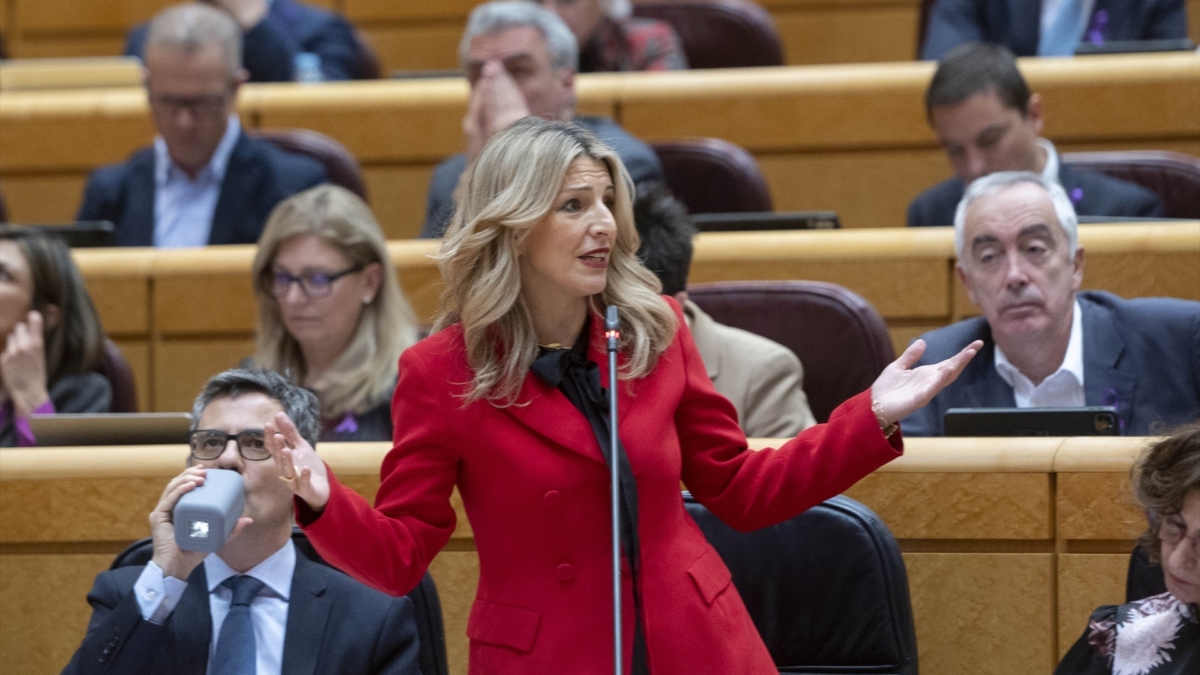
x,y
552,499
566,572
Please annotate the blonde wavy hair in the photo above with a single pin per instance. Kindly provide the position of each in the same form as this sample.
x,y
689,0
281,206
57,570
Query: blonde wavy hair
x,y
365,373
509,190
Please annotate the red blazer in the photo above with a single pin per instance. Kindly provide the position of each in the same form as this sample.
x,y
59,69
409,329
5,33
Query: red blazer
x,y
535,488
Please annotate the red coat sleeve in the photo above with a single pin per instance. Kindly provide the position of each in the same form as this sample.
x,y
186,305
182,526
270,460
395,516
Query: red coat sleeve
x,y
753,489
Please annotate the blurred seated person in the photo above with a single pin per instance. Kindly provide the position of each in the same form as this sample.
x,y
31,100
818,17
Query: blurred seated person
x,y
1159,635
331,313
763,379
52,336
1045,344
274,32
610,39
257,606
1050,27
203,181
986,120
521,60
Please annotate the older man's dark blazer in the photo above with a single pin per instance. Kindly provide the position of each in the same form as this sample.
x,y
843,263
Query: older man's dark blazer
x,y
1016,24
335,626
1093,194
1141,356
258,177
269,49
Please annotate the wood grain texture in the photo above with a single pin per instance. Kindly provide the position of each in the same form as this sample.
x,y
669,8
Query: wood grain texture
x,y
181,367
43,198
1097,506
80,509
841,32
1086,581
398,196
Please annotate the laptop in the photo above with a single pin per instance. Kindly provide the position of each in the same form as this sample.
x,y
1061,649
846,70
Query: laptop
x,y
61,430
1085,421
82,234
755,221
1086,48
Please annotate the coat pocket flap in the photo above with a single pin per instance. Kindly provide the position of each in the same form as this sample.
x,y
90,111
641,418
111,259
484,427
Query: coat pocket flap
x,y
503,625
710,575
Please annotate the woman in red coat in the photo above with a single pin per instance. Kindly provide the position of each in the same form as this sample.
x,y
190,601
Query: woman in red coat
x,y
543,239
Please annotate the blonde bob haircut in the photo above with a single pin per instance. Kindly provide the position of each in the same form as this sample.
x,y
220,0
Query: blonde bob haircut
x,y
365,373
510,189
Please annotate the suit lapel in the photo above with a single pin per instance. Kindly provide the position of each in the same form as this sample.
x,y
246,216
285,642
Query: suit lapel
x,y
191,628
985,388
1025,19
137,226
1109,376
308,612
242,177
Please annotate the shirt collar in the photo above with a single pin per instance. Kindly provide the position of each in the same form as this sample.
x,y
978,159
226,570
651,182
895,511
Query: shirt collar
x,y
276,571
164,167
1072,360
1050,171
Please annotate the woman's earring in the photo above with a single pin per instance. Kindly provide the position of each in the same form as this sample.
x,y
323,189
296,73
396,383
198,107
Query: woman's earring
x,y
367,300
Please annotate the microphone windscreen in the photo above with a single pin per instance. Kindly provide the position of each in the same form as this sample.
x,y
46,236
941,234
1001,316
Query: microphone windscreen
x,y
205,517
610,318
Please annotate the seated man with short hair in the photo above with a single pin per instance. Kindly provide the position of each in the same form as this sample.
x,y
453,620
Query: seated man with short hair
x,y
204,181
1045,343
256,606
521,60
987,120
274,32
763,379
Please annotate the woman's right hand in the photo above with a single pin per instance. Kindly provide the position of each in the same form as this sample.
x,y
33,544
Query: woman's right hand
x,y
297,462
23,366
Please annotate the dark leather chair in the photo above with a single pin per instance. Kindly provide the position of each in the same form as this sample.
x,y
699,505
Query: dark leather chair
x,y
840,339
368,66
116,370
1144,578
427,608
710,175
719,33
827,589
341,166
1173,176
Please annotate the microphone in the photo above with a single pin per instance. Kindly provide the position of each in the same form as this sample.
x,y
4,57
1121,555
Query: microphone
x,y
612,328
205,517
612,332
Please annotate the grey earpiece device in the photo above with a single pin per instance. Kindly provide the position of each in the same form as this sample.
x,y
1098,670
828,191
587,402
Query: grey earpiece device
x,y
205,517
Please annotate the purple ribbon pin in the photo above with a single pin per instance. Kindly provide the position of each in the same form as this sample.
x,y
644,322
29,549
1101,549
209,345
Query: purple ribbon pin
x,y
1095,34
1109,398
348,425
1076,196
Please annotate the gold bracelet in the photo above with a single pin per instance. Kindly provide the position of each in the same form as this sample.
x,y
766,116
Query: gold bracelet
x,y
887,429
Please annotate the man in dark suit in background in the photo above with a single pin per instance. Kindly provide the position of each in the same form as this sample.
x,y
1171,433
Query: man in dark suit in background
x,y
987,120
521,60
1046,28
1045,343
275,31
256,606
203,181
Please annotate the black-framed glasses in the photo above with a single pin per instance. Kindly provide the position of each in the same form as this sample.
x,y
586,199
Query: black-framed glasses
x,y
208,444
314,284
198,105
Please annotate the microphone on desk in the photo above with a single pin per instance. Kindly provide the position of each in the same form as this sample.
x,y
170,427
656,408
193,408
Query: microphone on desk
x,y
205,517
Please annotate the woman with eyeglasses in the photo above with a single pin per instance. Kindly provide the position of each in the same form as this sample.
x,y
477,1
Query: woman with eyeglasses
x,y
1159,635
331,314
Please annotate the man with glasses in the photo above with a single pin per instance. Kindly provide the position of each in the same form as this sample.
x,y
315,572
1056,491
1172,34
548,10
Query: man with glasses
x,y
203,181
255,606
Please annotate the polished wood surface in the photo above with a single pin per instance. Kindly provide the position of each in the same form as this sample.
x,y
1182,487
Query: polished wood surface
x,y
995,585
851,138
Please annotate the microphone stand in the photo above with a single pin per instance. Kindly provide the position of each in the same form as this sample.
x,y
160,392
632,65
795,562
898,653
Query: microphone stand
x,y
613,335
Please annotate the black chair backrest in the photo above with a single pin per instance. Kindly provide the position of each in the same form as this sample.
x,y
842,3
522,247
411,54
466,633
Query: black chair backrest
x,y
427,607
719,33
827,589
1144,578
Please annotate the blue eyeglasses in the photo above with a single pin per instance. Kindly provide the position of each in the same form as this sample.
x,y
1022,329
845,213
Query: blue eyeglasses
x,y
314,284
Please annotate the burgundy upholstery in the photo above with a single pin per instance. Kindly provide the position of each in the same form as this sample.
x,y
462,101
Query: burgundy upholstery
x,y
368,66
713,176
1173,176
341,167
116,370
719,33
841,340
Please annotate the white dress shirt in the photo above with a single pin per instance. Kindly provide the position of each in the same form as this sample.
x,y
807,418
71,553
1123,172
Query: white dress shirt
x,y
1050,170
1063,389
1051,9
184,208
157,597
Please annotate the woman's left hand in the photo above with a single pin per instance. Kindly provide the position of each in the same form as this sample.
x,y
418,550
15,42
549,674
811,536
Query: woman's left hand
x,y
901,389
23,366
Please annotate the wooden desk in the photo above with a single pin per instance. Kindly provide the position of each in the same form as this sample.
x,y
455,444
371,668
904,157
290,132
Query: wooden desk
x,y
183,315
1009,543
847,138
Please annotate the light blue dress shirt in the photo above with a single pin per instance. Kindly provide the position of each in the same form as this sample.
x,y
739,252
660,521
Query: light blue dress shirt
x,y
1063,23
183,208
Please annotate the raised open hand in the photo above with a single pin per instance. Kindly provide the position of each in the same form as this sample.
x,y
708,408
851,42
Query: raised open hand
x,y
901,389
298,463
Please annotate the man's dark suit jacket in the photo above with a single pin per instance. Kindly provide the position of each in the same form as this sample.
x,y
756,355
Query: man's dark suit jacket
x,y
1093,194
335,625
1016,24
639,160
1141,356
258,177
269,49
